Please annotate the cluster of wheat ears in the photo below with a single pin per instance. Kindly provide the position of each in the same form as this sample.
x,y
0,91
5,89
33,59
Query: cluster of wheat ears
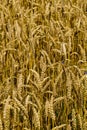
x,y
43,64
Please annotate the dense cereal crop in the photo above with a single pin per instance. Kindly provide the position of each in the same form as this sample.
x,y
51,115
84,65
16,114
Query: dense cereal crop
x,y
43,64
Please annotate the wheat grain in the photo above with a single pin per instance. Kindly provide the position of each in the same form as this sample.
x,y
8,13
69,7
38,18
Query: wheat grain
x,y
59,127
73,119
27,101
79,121
1,126
20,85
51,109
21,106
85,126
69,86
57,100
82,53
6,114
36,119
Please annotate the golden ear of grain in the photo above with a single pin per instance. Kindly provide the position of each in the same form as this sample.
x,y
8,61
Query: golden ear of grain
x,y
63,49
83,54
27,101
6,117
8,87
37,101
79,121
51,109
69,86
85,81
74,119
15,116
59,99
58,77
36,119
47,11
85,115
44,53
14,93
1,126
85,126
6,114
20,85
47,105
59,127
37,77
43,67
46,86
20,105
17,30
82,94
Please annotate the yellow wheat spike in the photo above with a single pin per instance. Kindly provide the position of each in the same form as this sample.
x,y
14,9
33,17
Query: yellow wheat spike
x,y
51,109
73,119
83,53
20,85
20,105
59,127
1,126
6,114
27,101
79,121
85,126
47,104
36,119
69,86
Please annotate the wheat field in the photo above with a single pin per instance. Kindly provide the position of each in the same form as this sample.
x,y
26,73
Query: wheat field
x,y
43,64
